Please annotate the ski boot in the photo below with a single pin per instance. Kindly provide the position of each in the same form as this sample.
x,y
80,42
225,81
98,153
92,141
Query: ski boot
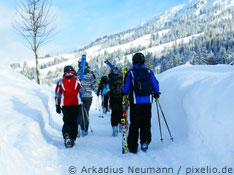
x,y
84,133
68,142
144,147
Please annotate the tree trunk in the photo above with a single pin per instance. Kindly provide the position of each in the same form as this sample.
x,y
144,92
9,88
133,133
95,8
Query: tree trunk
x,y
37,68
35,25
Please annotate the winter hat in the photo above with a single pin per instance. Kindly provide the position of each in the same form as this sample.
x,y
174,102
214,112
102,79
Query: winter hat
x,y
138,58
68,68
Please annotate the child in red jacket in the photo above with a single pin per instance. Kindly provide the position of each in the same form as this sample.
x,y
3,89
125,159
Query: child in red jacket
x,y
68,100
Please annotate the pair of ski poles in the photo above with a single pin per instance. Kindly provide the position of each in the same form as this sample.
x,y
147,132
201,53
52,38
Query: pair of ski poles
x,y
159,123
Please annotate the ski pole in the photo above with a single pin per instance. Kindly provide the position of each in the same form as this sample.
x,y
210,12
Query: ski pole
x,y
164,119
159,123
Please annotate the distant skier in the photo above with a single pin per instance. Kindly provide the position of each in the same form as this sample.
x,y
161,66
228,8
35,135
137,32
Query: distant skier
x,y
67,100
103,89
140,84
89,83
115,84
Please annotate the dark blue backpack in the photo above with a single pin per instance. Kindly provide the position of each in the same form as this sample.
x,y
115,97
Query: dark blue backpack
x,y
142,82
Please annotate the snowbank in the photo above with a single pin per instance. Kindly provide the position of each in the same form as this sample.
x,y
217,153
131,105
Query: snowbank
x,y
29,131
197,102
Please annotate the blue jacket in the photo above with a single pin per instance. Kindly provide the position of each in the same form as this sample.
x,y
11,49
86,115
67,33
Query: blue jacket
x,y
128,86
105,89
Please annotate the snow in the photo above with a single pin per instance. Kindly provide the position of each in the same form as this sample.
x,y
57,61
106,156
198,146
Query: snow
x,y
191,6
96,50
28,129
160,48
43,72
197,102
203,101
143,41
194,6
90,51
49,59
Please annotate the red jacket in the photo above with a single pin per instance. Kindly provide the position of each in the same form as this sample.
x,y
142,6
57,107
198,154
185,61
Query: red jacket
x,y
67,90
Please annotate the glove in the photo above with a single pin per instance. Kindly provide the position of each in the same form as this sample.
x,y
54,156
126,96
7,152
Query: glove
x,y
58,109
157,95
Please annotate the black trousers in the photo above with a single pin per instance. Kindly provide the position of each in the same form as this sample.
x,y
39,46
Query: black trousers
x,y
116,110
105,100
140,118
70,114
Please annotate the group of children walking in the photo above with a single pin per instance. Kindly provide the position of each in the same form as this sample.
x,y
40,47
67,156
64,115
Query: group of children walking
x,y
139,84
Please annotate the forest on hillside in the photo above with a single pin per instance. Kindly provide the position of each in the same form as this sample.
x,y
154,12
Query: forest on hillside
x,y
211,42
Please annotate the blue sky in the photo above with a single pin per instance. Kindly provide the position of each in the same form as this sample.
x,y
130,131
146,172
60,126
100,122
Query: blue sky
x,y
79,22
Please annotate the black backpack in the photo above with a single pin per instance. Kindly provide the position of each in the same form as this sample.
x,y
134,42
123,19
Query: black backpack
x,y
115,83
142,82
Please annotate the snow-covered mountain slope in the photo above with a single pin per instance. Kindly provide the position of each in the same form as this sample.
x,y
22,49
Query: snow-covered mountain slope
x,y
188,22
195,6
197,102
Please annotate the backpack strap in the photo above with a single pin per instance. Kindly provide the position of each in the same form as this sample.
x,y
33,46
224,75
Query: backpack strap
x,y
149,71
132,76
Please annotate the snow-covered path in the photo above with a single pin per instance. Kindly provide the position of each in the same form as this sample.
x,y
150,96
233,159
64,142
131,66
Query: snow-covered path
x,y
197,102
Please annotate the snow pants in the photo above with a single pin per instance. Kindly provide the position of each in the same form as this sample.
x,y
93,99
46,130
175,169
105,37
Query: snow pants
x,y
87,103
140,118
70,114
83,118
116,110
105,100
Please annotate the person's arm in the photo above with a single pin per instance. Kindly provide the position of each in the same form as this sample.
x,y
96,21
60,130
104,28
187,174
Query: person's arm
x,y
92,82
58,92
79,86
99,89
128,84
155,83
58,95
94,77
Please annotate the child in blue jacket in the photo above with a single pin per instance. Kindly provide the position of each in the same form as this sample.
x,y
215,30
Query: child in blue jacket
x,y
140,105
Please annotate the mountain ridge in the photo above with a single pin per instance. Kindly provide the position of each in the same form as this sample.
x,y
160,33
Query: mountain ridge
x,y
163,30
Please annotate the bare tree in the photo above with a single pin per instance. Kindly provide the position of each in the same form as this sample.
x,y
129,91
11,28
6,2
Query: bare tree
x,y
35,25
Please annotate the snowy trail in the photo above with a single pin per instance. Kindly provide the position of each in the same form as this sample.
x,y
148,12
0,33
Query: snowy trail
x,y
100,149
197,102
